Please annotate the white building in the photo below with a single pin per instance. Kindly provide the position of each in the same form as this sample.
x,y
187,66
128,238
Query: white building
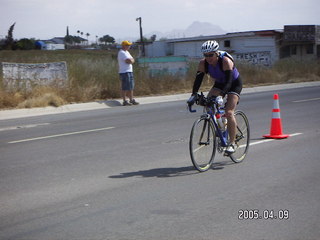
x,y
54,46
256,47
56,43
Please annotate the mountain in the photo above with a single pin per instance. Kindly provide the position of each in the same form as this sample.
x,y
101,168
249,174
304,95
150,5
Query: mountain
x,y
203,28
195,29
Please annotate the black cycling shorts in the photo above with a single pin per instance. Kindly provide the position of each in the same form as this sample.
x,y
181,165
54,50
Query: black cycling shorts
x,y
236,86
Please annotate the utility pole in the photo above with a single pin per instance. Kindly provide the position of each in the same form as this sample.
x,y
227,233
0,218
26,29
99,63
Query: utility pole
x,y
67,40
141,35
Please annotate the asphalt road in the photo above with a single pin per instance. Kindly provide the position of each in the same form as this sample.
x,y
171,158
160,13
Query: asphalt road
x,y
125,173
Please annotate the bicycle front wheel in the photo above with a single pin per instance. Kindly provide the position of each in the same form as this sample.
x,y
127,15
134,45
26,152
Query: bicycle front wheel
x,y
202,144
242,137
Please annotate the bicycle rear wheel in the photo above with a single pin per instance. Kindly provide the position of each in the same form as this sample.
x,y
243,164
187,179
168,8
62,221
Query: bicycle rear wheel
x,y
242,137
202,144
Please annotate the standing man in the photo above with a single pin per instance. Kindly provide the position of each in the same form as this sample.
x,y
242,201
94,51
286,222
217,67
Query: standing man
x,y
125,61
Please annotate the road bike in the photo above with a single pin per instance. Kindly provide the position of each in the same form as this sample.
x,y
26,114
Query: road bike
x,y
209,133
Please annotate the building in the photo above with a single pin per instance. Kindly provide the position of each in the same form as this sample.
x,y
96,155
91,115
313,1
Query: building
x,y
301,42
52,44
256,47
58,43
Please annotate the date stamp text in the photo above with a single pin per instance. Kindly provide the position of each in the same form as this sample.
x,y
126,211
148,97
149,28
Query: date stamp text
x,y
255,214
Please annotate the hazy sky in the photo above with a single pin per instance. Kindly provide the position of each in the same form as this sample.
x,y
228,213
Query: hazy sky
x,y
44,19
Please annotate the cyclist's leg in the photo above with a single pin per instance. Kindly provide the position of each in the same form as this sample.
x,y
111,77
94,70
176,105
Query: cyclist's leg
x,y
232,100
215,91
242,137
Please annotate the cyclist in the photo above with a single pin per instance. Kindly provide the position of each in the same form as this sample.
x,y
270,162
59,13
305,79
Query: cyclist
x,y
220,66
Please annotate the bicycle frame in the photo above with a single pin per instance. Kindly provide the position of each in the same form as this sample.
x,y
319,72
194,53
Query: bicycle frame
x,y
211,110
223,135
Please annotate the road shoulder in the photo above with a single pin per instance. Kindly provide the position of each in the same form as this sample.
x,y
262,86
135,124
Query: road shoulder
x,y
31,112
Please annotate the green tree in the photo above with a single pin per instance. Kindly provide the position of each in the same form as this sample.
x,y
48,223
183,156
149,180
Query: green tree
x,y
148,40
87,34
68,39
2,43
26,44
9,42
76,39
107,39
72,39
153,38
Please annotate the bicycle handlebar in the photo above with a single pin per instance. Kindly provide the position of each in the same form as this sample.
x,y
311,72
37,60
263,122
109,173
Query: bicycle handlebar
x,y
191,110
193,99
201,100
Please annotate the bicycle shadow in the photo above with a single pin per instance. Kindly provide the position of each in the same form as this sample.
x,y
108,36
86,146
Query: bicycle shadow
x,y
220,165
169,172
159,173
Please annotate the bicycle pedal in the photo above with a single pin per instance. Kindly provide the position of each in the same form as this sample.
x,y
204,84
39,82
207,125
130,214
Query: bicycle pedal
x,y
226,154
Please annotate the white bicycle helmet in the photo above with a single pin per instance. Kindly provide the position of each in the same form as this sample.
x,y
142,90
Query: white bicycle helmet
x,y
210,46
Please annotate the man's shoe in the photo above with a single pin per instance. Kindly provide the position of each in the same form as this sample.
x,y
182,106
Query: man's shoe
x,y
134,102
126,103
231,149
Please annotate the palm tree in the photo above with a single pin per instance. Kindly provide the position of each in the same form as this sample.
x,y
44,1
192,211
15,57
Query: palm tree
x,y
81,37
88,34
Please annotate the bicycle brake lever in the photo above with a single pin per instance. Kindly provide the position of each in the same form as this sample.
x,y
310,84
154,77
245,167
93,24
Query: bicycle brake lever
x,y
191,110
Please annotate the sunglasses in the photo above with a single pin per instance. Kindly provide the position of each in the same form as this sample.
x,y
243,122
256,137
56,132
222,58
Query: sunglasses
x,y
208,55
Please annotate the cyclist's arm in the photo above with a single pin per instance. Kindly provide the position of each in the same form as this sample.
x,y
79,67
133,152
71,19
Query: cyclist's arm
x,y
227,65
199,77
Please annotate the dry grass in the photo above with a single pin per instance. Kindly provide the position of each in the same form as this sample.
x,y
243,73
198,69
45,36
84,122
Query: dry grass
x,y
284,71
93,75
42,97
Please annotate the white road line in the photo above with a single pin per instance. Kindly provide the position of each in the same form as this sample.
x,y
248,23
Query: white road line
x,y
61,135
269,140
306,100
254,143
197,149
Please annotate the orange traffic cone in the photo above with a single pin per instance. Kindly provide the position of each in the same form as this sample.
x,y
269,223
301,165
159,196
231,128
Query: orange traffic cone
x,y
276,125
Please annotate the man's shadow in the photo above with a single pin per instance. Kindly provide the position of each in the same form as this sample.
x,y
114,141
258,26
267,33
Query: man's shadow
x,y
111,103
170,172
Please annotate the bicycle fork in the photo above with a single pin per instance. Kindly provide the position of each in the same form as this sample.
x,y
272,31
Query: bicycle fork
x,y
205,125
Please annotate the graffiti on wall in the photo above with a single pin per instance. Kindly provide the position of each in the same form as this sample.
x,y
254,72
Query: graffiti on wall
x,y
26,76
255,58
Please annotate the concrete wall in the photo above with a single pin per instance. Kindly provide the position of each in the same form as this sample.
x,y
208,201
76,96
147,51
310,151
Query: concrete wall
x,y
165,65
157,49
25,76
190,49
